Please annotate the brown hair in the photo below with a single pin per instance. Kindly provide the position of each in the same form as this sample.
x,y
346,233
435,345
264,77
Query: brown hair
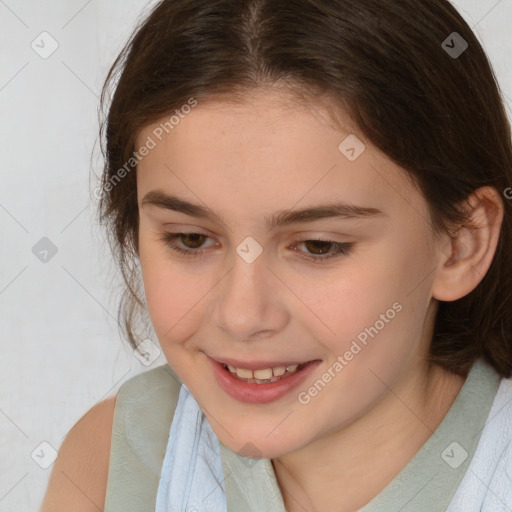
x,y
439,116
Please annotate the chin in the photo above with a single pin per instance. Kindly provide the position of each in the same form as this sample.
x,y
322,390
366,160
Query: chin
x,y
259,445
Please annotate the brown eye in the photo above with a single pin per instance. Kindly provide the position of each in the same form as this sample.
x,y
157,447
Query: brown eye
x,y
189,244
318,246
193,240
319,251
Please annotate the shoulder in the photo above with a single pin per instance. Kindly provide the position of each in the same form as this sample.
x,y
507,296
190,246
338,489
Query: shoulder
x,y
79,476
144,411
80,473
158,380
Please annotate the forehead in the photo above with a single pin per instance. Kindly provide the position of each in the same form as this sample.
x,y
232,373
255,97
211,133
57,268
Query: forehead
x,y
271,150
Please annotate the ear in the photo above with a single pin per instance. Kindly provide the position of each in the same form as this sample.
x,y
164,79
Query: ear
x,y
468,254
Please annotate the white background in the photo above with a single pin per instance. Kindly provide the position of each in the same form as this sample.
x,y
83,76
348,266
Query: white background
x,y
60,348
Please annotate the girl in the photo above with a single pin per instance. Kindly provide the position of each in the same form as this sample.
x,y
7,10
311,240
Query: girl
x,y
309,199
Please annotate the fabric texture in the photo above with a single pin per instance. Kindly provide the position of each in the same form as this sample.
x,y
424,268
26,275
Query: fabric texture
x,y
143,426
487,485
192,477
144,411
431,478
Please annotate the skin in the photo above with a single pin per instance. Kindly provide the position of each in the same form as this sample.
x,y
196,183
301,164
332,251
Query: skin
x,y
79,476
247,161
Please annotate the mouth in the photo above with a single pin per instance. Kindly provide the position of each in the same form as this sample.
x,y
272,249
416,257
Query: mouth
x,y
264,375
264,382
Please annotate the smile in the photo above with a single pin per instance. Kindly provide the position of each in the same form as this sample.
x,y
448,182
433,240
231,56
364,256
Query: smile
x,y
263,383
264,375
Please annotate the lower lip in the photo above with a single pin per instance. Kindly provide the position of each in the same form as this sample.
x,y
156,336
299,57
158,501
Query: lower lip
x,y
259,393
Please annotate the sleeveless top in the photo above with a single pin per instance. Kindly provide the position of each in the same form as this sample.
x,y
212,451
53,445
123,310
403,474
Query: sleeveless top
x,y
143,414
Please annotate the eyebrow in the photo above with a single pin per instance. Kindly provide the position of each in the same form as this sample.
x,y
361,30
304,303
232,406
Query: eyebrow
x,y
281,218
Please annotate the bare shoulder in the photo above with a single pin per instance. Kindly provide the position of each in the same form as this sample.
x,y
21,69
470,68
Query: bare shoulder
x,y
79,477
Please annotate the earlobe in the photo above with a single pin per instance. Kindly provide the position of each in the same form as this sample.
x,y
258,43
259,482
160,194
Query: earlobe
x,y
472,248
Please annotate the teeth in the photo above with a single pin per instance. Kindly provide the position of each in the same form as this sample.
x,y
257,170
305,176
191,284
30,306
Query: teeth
x,y
244,374
264,374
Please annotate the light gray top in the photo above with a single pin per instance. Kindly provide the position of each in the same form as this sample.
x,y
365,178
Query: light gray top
x,y
145,405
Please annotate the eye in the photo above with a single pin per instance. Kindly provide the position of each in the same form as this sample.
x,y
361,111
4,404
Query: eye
x,y
320,250
316,250
192,242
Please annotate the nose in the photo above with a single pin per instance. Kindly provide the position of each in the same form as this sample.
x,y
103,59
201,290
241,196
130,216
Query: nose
x,y
251,302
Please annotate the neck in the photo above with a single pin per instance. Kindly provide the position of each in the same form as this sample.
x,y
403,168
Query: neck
x,y
355,461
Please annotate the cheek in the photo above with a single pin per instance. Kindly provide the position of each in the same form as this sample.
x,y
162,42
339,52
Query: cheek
x,y
352,296
173,295
173,304
378,300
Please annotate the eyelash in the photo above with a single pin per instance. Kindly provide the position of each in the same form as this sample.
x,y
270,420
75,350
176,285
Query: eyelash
x,y
341,249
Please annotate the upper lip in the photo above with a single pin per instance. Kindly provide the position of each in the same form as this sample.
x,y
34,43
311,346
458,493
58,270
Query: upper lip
x,y
257,365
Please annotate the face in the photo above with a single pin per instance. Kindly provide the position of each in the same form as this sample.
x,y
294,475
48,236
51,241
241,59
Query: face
x,y
243,280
